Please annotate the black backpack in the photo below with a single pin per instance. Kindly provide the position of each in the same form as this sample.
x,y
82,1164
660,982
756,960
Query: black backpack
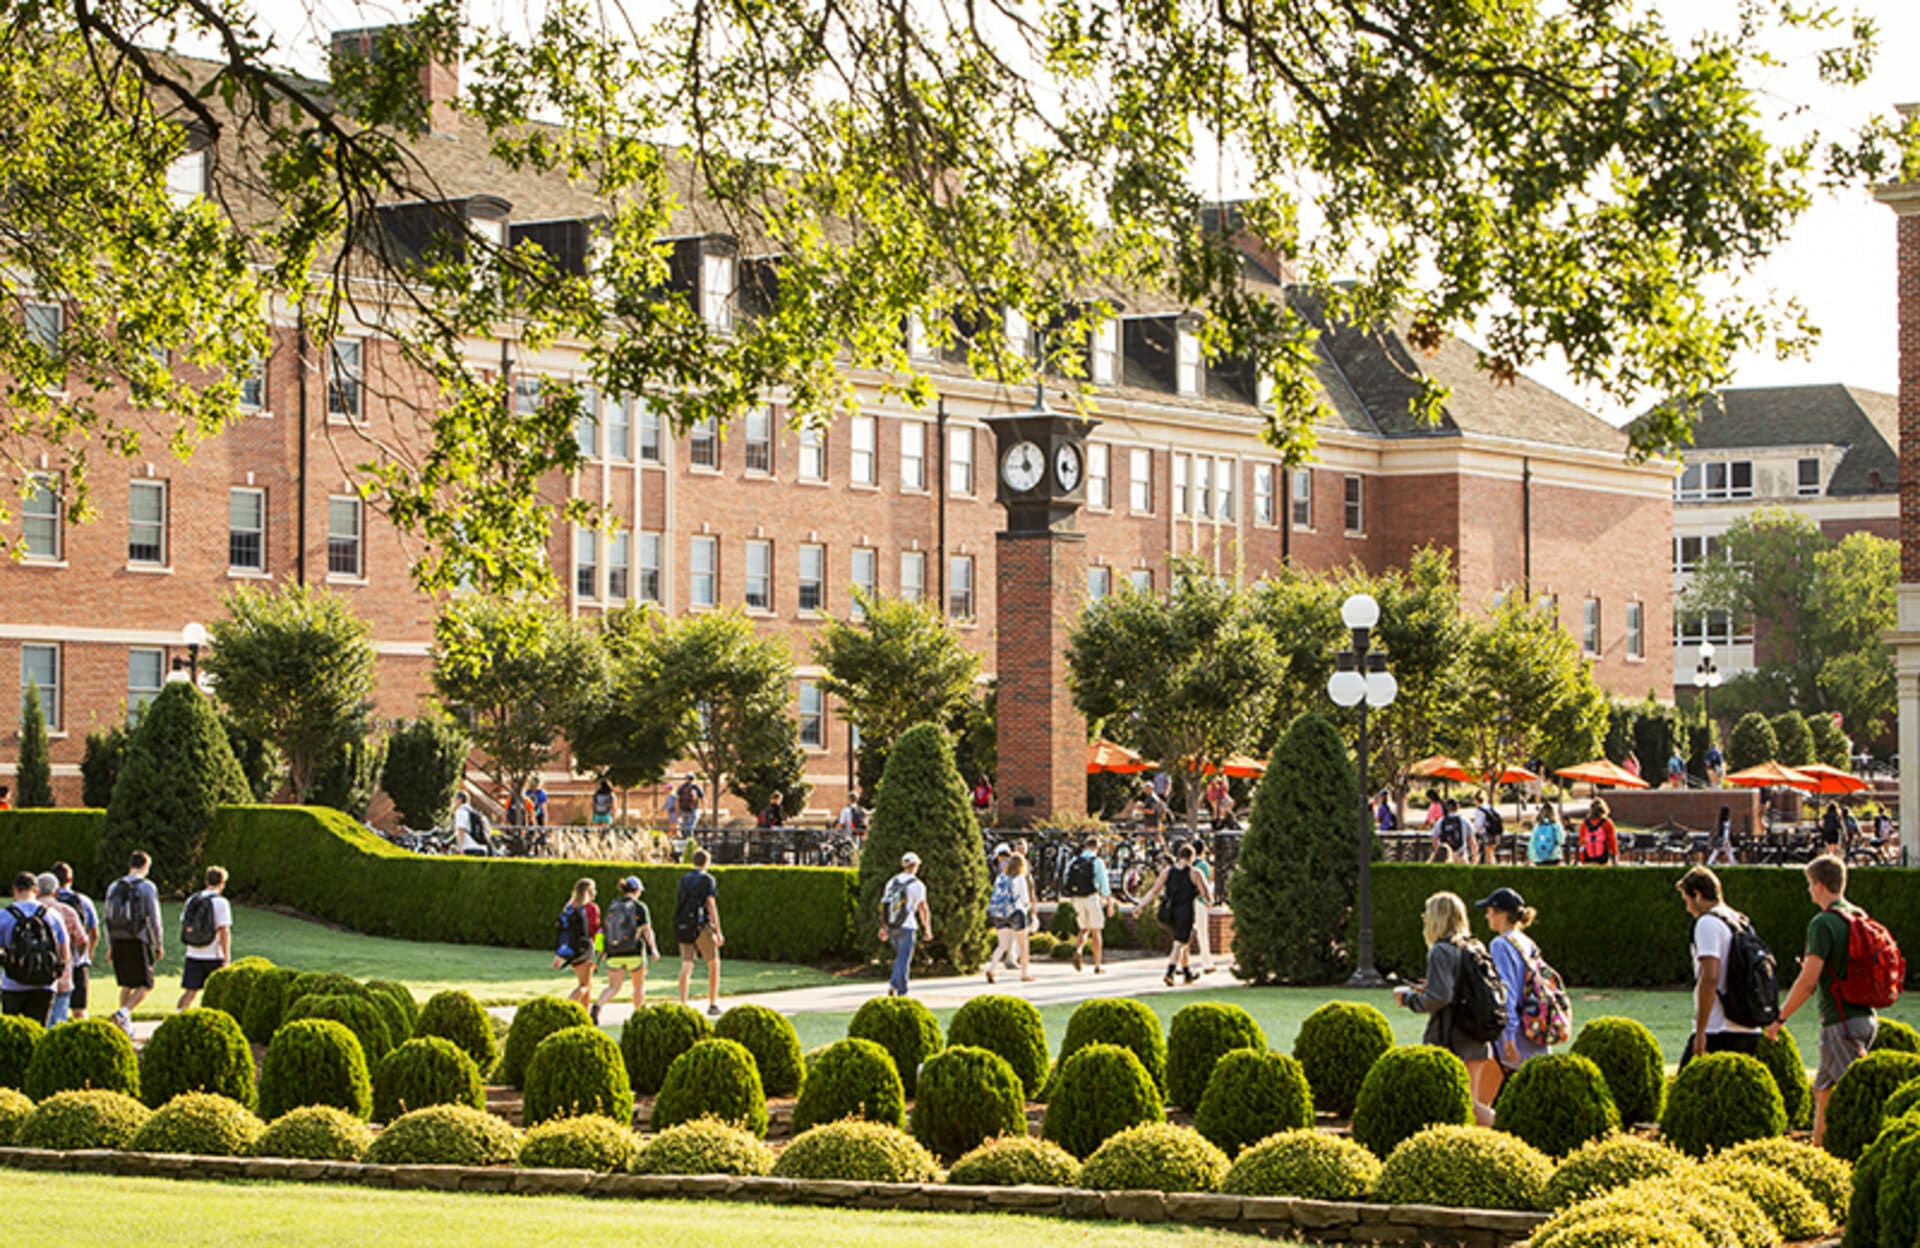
x,y
1479,995
1749,982
197,928
1080,877
33,952
1453,832
621,926
480,829
126,915
689,913
1495,824
572,939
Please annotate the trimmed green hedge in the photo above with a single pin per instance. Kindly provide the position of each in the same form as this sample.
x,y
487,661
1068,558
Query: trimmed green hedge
x,y
32,840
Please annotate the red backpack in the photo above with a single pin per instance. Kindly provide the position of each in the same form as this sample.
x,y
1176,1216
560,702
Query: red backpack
x,y
1876,971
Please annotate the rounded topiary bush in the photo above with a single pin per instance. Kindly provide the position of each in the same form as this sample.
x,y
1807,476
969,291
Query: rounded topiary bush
x,y
1903,1100
652,1037
1337,1045
1893,1036
228,988
357,1014
903,1027
1408,1090
1557,1102
1787,1205
704,1146
714,1079
1789,1070
14,1108
1200,1035
314,1061
19,1036
1718,1101
1250,1096
202,1124
1623,1230
197,1051
1016,1161
1724,1218
858,1152
1826,1178
1098,1092
1882,1180
1157,1157
588,1142
533,1022
1466,1167
422,1072
1630,1061
851,1079
1306,1164
1606,1165
967,1096
455,1015
315,1133
397,1003
324,984
1857,1106
1121,1021
574,1072
1009,1026
87,1053
266,1002
445,1135
775,1045
91,1119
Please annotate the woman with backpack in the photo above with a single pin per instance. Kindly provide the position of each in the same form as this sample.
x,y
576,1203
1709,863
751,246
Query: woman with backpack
x,y
1721,849
1514,954
628,928
579,924
1451,953
1183,892
1545,847
1599,839
1010,909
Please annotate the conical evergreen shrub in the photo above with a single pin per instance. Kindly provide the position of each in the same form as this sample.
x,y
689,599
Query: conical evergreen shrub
x,y
33,777
178,773
922,806
1751,743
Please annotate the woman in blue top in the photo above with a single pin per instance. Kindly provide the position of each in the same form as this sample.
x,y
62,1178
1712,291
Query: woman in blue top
x,y
1547,837
1509,916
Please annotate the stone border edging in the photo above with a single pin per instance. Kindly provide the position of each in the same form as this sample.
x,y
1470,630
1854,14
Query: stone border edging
x,y
1332,1221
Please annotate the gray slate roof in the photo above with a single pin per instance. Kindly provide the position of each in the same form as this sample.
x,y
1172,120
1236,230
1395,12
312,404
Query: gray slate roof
x,y
1865,422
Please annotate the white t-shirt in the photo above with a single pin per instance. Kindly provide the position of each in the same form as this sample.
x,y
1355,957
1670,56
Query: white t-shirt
x,y
463,828
916,896
222,917
1713,938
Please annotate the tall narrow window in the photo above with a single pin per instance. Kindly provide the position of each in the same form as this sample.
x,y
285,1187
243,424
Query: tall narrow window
x,y
862,466
718,277
960,462
1190,375
345,556
1141,579
812,559
760,440
913,455
253,384
1182,472
1223,472
1356,512
759,583
40,518
703,444
44,324
586,426
863,573
1636,630
1140,481
649,587
1590,627
618,414
247,530
146,673
187,176
645,415
1202,487
147,523
619,565
1099,475
1807,477
703,571
1263,493
960,587
813,715
40,667
913,575
813,454
586,563
1099,582
1302,499
346,379
1106,354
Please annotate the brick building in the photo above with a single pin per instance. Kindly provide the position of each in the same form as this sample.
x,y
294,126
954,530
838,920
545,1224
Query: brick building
x,y
1904,199
1530,491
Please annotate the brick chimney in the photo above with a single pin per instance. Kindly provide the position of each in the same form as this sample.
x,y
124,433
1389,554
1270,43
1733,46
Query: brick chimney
x,y
439,80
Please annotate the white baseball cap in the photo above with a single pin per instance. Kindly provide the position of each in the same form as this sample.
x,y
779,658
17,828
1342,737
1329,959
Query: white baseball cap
x,y
909,859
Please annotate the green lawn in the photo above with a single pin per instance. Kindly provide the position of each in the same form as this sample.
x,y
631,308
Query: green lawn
x,y
156,1213
496,976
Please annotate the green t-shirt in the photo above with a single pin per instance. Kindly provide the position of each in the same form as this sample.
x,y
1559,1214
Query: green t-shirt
x,y
1827,938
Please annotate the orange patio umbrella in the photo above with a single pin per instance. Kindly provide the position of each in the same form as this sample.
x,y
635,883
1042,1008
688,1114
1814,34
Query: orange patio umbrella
x,y
1439,767
1832,779
1770,775
1239,765
1602,771
1106,756
1514,775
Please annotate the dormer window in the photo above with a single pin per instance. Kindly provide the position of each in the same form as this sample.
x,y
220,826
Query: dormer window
x,y
1188,376
491,231
1263,390
187,176
1104,347
919,341
1019,333
718,278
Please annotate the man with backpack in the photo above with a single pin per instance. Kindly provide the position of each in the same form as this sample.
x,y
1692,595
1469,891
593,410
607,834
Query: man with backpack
x,y
34,953
1854,966
627,930
469,828
687,799
1452,836
82,905
696,927
133,936
69,919
1091,892
903,913
1732,994
206,929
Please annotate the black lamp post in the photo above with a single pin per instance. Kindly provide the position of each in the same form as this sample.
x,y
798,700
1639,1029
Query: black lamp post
x,y
1362,680
1705,677
193,636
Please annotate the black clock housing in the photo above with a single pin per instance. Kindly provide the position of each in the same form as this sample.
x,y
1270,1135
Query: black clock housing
x,y
1046,507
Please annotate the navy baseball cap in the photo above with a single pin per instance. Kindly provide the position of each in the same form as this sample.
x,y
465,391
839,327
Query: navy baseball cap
x,y
1502,899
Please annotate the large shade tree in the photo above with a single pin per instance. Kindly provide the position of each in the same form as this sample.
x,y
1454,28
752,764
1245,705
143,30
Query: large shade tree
x,y
1522,691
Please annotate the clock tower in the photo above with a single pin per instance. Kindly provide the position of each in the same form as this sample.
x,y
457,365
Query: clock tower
x,y
1041,583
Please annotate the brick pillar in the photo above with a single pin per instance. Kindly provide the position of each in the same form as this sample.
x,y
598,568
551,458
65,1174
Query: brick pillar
x,y
1905,202
1041,584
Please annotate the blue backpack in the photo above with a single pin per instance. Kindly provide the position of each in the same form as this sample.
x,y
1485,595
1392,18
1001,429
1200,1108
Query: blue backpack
x,y
1000,901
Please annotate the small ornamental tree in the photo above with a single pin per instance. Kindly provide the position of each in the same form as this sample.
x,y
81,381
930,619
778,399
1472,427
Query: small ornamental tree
x,y
1829,741
349,775
1751,743
100,765
178,774
1794,739
1294,881
33,777
922,806
425,759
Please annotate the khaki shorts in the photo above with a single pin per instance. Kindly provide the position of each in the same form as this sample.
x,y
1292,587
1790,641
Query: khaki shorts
x,y
702,948
1090,913
1841,1045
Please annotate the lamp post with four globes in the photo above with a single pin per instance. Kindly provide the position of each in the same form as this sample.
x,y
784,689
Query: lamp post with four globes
x,y
1361,679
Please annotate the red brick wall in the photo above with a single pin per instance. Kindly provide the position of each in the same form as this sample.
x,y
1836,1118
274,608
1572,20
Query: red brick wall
x,y
1042,737
1880,526
1909,246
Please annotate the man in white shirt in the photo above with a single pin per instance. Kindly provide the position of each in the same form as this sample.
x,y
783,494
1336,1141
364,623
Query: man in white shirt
x,y
903,907
1713,926
206,929
464,840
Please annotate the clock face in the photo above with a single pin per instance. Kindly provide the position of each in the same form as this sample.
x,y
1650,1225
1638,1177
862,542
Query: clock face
x,y
1023,467
1066,468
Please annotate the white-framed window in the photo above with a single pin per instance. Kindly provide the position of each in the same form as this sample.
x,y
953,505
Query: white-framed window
x,y
1182,473
40,517
1224,471
759,575
703,444
586,563
586,426
45,322
1263,493
862,466
919,341
146,674
960,587
346,555
1140,481
718,277
703,571
1105,348
813,715
1302,512
1188,376
253,385
1718,627
1590,627
863,572
619,418
1636,630
1715,480
346,378
813,454
40,665
812,571
246,529
147,523
1099,582
1202,487
526,394
1099,475
913,455
1807,477
647,417
1354,502
913,575
1019,333
1141,579
649,585
760,441
1690,552
960,461
619,565
1548,605
187,176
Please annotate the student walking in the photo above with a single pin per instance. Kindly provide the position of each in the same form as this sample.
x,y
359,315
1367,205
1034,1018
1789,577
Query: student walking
x,y
1546,845
687,799
35,956
537,803
206,929
1010,909
696,927
49,896
1715,925
579,924
82,955
1090,892
1513,952
1832,831
1720,850
1847,1028
905,919
627,928
1203,910
1445,923
602,812
469,828
1180,888
1599,839
134,942
1453,835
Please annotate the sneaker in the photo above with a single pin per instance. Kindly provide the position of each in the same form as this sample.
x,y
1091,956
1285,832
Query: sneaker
x,y
593,1012
1169,979
1076,960
1099,970
713,1011
989,974
1191,977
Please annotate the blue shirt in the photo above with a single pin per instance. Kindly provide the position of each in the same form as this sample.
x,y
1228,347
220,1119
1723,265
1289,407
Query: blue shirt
x,y
1510,959
1546,841
1101,886
7,982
